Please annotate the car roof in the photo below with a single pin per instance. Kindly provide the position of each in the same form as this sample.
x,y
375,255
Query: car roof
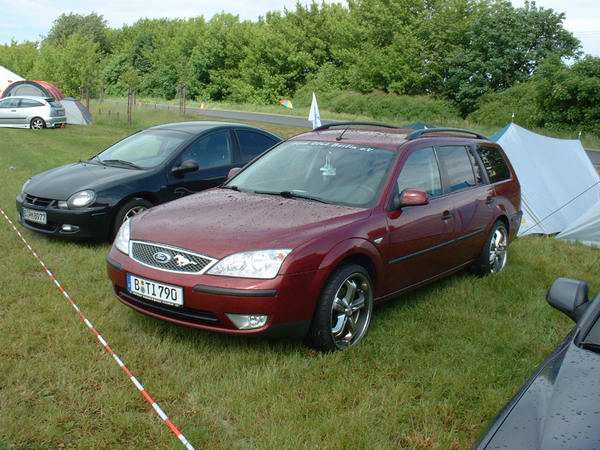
x,y
195,127
29,97
384,136
388,138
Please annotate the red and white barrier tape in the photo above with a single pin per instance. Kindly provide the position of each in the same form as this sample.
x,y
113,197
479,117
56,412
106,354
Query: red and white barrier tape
x,y
104,344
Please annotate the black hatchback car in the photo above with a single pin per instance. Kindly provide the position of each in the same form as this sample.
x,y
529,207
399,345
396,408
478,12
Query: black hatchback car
x,y
559,407
90,199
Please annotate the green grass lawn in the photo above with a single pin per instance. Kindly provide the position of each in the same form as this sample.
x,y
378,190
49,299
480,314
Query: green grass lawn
x,y
435,368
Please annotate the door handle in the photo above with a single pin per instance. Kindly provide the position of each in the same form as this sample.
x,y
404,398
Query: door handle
x,y
13,110
446,215
489,200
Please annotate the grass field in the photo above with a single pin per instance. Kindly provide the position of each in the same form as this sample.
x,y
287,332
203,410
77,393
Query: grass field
x,y
435,368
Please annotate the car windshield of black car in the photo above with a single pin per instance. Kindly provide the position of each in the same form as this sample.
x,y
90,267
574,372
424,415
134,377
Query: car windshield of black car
x,y
146,149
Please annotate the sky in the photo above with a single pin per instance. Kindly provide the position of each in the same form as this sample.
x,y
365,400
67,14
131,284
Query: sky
x,y
30,19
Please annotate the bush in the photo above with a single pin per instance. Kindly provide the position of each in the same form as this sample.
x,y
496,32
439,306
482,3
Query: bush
x,y
398,108
496,109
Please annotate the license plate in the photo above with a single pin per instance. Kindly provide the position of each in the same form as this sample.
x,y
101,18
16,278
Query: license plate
x,y
35,216
157,292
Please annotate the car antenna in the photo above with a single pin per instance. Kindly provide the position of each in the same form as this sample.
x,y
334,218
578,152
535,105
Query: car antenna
x,y
339,138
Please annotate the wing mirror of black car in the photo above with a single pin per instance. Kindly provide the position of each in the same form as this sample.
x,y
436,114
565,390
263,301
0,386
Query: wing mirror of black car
x,y
569,296
410,197
233,172
186,166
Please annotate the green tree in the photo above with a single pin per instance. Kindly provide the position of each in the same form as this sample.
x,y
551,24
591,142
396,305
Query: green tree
x,y
93,26
504,45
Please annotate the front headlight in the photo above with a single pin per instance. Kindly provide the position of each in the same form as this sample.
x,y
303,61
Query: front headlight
x,y
25,185
122,239
259,264
81,199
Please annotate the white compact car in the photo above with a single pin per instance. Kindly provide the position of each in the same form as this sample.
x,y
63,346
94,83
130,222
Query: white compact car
x,y
31,112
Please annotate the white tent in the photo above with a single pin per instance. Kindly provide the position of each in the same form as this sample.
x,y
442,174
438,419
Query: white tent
x,y
6,78
586,229
77,114
558,181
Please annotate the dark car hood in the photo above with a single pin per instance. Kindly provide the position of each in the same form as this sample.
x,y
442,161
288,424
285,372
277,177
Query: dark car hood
x,y
560,409
220,222
62,182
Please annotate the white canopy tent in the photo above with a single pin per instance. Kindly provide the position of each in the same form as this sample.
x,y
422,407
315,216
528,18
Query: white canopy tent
x,y
7,78
560,189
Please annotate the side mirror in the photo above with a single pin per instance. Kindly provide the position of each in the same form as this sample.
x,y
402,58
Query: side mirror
x,y
410,197
569,296
233,172
186,166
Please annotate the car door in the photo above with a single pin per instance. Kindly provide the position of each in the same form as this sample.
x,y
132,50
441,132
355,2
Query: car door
x,y
419,237
9,113
28,109
472,200
214,153
252,143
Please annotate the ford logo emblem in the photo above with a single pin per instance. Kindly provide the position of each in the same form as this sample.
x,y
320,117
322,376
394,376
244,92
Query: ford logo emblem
x,y
161,257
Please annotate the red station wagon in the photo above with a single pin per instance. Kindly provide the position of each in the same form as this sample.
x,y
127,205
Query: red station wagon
x,y
310,235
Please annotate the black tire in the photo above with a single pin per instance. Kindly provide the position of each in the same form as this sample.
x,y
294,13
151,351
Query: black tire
x,y
488,264
37,123
127,210
321,335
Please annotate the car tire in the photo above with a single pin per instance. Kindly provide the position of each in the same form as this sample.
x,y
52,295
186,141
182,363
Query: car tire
x,y
343,313
132,208
494,254
37,123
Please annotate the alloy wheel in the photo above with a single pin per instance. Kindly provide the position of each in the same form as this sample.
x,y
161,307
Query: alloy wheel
x,y
133,212
498,250
351,310
37,124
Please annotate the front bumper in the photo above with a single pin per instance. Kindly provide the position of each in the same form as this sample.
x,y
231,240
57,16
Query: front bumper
x,y
86,223
288,300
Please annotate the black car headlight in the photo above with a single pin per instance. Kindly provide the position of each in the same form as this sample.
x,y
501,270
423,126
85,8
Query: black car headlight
x,y
81,199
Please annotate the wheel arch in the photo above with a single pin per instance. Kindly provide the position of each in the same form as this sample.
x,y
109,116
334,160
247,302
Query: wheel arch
x,y
357,251
148,196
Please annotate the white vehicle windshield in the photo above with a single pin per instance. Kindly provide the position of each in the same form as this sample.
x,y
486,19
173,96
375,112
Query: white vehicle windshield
x,y
338,173
143,150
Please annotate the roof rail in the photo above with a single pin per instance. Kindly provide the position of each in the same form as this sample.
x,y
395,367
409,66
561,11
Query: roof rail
x,y
349,124
419,133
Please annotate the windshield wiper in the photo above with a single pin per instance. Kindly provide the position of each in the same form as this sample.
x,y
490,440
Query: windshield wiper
x,y
233,188
293,194
121,162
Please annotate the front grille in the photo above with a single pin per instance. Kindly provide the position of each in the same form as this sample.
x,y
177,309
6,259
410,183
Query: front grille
x,y
40,201
170,259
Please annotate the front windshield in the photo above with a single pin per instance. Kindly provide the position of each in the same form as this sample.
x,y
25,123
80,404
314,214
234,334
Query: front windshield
x,y
143,150
338,173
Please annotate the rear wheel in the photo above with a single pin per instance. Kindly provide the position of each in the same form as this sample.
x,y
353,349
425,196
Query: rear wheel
x,y
37,123
344,311
495,251
130,209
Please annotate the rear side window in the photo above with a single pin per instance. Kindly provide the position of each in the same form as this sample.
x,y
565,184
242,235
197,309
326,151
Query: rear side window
x,y
253,144
28,103
494,164
421,172
457,164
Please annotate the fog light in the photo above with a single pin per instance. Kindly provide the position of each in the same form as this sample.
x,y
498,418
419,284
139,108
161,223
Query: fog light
x,y
247,322
69,228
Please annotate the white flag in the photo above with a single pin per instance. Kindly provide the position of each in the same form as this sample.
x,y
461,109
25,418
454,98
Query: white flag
x,y
314,116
